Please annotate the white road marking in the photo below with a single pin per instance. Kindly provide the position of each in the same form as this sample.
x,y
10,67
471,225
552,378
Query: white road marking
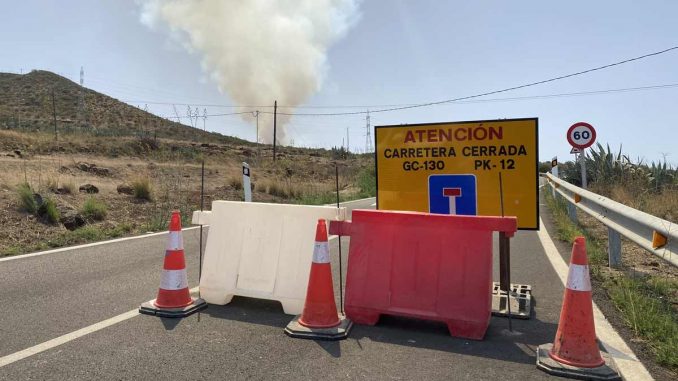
x,y
47,345
62,249
629,366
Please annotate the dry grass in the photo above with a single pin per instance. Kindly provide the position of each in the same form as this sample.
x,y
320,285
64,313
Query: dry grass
x,y
663,205
142,188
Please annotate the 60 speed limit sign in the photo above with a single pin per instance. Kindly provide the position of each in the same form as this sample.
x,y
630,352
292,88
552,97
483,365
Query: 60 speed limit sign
x,y
581,135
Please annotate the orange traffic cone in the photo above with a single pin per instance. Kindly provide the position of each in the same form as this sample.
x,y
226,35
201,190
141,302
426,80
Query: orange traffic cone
x,y
575,352
174,299
320,319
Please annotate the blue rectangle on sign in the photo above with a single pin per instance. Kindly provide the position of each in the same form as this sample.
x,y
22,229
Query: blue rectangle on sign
x,y
452,194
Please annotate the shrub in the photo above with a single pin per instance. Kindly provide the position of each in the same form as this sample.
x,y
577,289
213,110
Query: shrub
x,y
48,210
367,182
94,209
235,182
68,188
142,189
53,185
26,199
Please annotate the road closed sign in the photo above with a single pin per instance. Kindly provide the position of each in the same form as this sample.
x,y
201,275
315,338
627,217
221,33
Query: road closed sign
x,y
460,168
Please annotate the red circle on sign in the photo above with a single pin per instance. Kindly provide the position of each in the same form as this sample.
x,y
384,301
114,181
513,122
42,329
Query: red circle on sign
x,y
585,145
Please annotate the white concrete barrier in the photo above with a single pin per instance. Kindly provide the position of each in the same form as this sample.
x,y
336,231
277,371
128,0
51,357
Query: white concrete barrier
x,y
260,250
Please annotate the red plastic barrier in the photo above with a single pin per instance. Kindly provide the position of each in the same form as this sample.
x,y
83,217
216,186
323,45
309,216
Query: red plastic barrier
x,y
427,266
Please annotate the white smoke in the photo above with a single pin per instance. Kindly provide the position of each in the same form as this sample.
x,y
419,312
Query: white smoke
x,y
258,51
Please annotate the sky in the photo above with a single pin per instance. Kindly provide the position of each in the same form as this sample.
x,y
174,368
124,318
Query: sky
x,y
396,52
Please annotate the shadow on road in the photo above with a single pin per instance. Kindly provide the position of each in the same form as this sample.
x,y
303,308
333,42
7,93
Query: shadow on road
x,y
518,346
499,343
250,310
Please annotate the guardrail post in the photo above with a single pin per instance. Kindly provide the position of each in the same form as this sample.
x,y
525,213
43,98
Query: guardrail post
x,y
613,248
572,212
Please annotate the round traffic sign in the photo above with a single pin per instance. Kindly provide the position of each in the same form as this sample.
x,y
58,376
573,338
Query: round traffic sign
x,y
581,135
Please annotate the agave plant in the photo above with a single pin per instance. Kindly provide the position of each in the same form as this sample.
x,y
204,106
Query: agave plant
x,y
604,166
661,175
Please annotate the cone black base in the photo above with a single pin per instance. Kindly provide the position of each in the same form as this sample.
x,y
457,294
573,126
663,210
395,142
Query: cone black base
x,y
608,371
340,332
149,308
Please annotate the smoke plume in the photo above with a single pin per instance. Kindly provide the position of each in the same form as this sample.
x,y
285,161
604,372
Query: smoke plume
x,y
258,51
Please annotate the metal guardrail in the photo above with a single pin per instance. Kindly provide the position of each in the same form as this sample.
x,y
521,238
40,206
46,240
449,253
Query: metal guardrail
x,y
656,235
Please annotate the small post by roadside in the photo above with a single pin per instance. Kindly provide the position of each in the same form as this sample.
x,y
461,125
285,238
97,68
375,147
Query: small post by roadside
x,y
246,184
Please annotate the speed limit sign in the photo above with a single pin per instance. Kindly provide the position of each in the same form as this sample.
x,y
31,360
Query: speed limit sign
x,y
581,135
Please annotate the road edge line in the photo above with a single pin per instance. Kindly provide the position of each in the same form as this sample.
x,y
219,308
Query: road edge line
x,y
86,245
63,339
628,364
92,244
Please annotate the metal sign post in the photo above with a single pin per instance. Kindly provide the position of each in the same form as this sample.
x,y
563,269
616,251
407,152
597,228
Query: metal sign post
x,y
582,161
581,136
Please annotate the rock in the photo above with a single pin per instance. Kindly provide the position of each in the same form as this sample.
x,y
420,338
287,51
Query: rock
x,y
88,188
125,189
72,221
101,171
92,168
85,167
10,155
18,153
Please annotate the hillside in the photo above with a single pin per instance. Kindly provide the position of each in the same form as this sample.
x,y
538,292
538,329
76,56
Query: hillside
x,y
26,105
86,186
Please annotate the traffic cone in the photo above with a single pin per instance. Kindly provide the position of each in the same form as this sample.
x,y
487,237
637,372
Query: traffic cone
x,y
319,319
575,353
174,298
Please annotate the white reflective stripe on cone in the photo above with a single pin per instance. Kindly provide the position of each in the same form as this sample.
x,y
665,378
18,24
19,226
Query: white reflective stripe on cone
x,y
578,278
174,280
175,241
321,252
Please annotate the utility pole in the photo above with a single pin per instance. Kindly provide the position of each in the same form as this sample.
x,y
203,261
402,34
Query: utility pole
x,y
256,115
275,118
348,145
368,133
56,135
81,99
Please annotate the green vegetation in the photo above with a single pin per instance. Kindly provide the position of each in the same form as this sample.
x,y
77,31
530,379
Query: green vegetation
x,y
49,211
89,233
27,201
94,209
367,182
142,189
644,301
652,188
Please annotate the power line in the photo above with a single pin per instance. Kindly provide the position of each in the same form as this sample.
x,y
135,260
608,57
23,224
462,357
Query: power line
x,y
527,97
490,92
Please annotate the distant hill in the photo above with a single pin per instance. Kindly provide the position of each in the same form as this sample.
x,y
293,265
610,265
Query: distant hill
x,y
26,105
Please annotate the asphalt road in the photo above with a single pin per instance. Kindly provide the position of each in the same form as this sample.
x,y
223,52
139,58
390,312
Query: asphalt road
x,y
44,297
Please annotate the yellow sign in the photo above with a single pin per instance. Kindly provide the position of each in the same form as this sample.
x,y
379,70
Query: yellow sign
x,y
460,168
